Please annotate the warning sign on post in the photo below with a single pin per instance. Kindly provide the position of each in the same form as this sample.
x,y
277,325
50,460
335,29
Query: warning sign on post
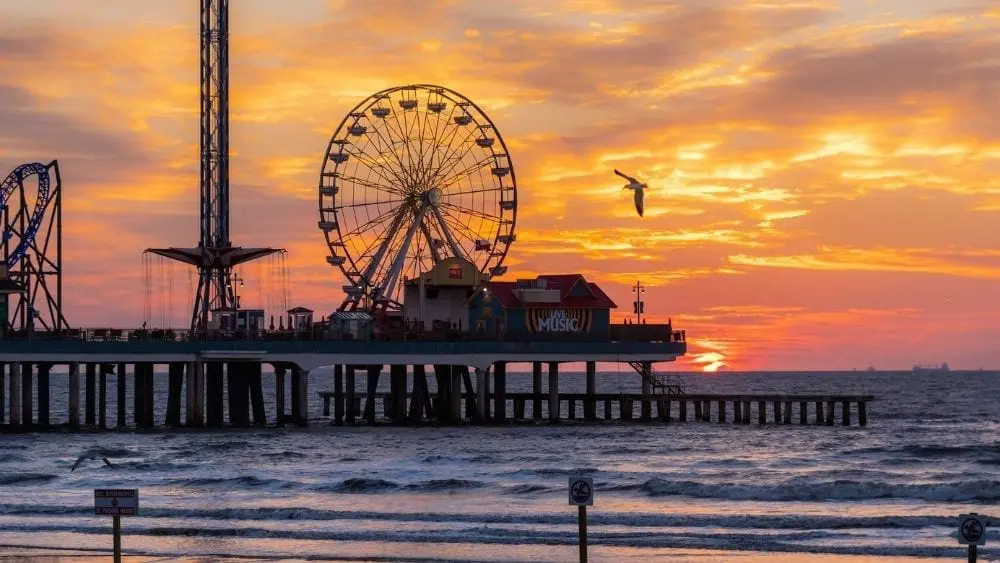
x,y
581,491
972,529
116,502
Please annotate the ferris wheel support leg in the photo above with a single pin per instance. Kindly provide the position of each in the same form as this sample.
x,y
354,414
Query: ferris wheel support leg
x,y
383,247
397,265
452,242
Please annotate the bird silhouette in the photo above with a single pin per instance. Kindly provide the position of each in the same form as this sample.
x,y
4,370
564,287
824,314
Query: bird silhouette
x,y
639,189
90,457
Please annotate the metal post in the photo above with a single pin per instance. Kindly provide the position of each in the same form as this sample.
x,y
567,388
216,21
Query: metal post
x,y
117,525
583,533
972,553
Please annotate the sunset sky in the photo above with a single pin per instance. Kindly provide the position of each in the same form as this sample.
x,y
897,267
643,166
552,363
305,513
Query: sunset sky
x,y
824,175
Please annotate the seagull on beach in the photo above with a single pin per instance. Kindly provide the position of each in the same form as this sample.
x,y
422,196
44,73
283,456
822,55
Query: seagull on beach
x,y
90,457
639,189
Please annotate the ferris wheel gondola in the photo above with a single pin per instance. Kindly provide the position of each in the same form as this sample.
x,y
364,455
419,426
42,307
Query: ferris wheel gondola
x,y
412,176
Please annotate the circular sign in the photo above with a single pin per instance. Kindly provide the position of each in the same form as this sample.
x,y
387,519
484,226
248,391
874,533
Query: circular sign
x,y
971,530
580,491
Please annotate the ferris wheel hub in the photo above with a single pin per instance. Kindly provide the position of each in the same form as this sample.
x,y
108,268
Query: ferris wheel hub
x,y
433,197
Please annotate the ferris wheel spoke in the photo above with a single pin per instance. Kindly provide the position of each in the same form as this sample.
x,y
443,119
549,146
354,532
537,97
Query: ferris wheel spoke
x,y
481,191
464,230
404,129
369,203
365,227
398,146
377,167
387,144
371,185
452,180
372,267
458,155
444,146
383,170
431,166
386,230
451,160
472,212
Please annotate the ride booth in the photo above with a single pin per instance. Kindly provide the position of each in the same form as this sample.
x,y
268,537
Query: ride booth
x,y
551,307
435,300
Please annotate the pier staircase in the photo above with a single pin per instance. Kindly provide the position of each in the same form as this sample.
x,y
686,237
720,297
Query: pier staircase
x,y
662,384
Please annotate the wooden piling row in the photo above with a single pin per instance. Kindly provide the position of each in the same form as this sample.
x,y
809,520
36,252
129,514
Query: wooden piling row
x,y
205,386
778,410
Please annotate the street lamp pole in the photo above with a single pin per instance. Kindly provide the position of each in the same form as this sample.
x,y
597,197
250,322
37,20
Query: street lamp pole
x,y
236,294
638,306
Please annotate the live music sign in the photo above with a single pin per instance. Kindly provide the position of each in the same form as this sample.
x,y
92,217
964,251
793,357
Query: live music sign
x,y
116,502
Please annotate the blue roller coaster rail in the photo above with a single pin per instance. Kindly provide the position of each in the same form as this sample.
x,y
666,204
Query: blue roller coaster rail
x,y
13,183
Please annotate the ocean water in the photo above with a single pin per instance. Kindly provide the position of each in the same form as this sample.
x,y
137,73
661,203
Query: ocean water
x,y
664,492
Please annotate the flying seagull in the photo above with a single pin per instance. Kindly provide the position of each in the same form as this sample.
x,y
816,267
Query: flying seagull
x,y
91,457
638,187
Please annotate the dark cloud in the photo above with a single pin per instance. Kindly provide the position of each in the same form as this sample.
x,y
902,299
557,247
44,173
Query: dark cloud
x,y
899,78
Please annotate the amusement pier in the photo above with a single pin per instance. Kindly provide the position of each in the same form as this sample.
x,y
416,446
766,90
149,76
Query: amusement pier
x,y
417,201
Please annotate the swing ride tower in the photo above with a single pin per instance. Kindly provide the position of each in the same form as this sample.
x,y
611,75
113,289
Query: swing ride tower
x,y
215,256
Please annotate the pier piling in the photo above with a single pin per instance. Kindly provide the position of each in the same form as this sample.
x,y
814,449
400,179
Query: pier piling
x,y
536,388
138,396
44,370
302,413
102,397
500,392
27,415
349,387
590,405
15,395
74,395
553,392
175,387
279,394
338,394
90,406
214,400
120,399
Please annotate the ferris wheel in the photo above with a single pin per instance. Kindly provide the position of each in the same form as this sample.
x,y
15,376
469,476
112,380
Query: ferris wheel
x,y
414,175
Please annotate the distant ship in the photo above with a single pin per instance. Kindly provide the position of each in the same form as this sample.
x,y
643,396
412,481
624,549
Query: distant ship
x,y
943,368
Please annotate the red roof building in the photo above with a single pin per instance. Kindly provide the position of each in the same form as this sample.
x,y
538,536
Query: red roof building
x,y
566,304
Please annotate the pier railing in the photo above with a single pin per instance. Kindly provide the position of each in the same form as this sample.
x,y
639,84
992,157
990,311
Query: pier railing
x,y
616,333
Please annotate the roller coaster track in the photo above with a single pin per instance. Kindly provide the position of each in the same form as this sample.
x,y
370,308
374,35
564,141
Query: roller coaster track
x,y
31,246
14,183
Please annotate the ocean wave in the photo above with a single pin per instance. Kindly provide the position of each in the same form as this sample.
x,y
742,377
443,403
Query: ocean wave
x,y
358,485
978,490
788,542
26,478
287,454
444,485
367,485
241,482
641,519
